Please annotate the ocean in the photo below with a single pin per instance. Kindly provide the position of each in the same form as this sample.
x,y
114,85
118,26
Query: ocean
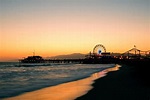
x,y
15,79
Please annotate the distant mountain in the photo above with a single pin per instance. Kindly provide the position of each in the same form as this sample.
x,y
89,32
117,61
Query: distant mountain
x,y
69,56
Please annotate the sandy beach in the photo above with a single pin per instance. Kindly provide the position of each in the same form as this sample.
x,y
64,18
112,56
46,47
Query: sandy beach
x,y
129,83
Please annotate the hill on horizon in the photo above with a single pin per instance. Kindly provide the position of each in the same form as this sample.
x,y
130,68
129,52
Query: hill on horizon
x,y
68,56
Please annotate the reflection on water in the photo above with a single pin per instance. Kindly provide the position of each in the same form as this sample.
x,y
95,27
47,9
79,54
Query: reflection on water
x,y
103,73
17,80
66,91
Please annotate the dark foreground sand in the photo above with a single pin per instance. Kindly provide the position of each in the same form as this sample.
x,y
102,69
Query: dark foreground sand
x,y
131,82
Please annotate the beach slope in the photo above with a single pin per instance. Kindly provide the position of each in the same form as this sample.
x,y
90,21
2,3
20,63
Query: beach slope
x,y
129,83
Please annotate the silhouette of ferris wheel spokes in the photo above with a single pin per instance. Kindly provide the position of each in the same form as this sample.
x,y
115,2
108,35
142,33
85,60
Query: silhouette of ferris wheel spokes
x,y
99,49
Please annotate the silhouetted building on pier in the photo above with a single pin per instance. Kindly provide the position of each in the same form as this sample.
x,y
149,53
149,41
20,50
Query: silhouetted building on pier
x,y
99,55
33,59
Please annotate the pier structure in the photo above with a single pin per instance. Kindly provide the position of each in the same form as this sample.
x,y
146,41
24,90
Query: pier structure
x,y
78,61
99,55
99,52
135,53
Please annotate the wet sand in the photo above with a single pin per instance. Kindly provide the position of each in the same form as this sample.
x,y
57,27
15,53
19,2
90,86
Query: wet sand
x,y
131,82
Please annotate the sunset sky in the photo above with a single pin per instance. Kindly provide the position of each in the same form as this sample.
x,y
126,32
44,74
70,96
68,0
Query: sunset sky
x,y
56,27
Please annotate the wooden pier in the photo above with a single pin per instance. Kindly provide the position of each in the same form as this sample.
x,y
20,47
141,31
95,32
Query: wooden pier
x,y
79,61
98,56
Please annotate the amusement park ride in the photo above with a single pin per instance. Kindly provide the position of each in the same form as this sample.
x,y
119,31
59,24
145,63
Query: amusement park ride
x,y
99,55
98,51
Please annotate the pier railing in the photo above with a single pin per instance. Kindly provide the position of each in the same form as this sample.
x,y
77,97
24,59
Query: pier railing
x,y
64,60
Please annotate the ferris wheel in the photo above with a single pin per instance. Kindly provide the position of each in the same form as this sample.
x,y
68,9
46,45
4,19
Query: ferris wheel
x,y
99,49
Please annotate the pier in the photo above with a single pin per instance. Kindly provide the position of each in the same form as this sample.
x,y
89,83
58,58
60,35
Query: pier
x,y
98,56
80,61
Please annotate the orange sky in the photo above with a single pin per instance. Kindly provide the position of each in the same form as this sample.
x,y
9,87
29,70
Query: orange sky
x,y
57,27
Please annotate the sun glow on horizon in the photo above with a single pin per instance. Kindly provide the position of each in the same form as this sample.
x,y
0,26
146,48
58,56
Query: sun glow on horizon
x,y
64,27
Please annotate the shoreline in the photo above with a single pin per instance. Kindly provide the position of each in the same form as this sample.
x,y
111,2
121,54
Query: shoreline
x,y
64,91
131,82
